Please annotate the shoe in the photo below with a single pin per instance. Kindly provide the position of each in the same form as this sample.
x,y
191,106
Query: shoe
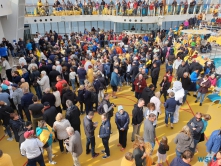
x,y
188,94
10,139
6,134
52,162
88,152
166,125
119,145
103,151
200,104
105,157
171,126
132,140
95,155
122,149
196,101
111,132
194,95
132,90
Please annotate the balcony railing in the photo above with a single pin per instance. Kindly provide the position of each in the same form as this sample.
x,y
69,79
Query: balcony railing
x,y
144,10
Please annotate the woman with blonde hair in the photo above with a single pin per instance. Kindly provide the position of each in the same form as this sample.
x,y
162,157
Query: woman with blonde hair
x,y
60,126
183,141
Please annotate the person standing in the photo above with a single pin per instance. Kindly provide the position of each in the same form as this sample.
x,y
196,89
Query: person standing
x,y
204,86
74,145
186,83
8,69
155,70
107,106
57,96
16,96
73,115
43,81
149,129
213,145
139,84
104,134
53,75
196,126
170,108
48,97
31,148
59,84
59,127
137,118
161,152
114,82
26,100
49,114
89,127
164,86
35,110
122,121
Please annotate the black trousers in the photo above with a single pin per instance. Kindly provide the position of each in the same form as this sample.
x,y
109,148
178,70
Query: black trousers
x,y
123,138
154,82
59,109
164,93
105,142
76,127
61,144
9,74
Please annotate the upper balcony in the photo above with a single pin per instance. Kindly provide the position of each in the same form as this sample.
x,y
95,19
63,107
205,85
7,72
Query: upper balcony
x,y
143,14
5,7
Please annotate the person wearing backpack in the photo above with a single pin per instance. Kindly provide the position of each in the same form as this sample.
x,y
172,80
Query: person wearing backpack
x,y
122,121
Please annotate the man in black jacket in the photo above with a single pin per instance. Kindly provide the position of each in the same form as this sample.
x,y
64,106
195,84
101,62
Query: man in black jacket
x,y
147,94
53,75
155,74
49,113
73,115
137,118
182,69
133,72
196,125
186,83
89,127
48,97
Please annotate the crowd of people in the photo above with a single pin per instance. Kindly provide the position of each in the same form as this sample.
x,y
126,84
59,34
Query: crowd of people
x,y
54,73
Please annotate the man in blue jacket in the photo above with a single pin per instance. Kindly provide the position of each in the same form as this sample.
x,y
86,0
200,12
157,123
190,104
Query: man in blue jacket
x,y
213,144
104,134
114,82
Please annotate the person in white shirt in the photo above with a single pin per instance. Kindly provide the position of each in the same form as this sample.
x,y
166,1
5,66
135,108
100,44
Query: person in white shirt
x,y
156,100
22,60
32,149
58,66
151,109
72,76
8,69
43,81
36,40
176,64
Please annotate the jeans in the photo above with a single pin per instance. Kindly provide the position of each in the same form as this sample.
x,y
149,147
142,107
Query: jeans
x,y
92,142
137,95
178,154
72,83
81,106
169,115
136,130
8,131
81,81
88,108
123,138
49,152
105,142
200,96
209,156
38,92
39,160
185,95
195,143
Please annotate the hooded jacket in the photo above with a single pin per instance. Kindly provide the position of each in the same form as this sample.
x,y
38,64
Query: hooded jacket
x,y
183,142
146,94
182,69
193,123
69,95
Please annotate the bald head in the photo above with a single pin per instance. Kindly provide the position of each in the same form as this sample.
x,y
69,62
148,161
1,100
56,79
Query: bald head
x,y
22,80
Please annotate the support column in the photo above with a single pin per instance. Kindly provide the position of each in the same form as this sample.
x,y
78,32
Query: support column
x,y
115,27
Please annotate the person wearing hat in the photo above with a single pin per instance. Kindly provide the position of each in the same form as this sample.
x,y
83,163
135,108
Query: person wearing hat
x,y
31,148
122,121
16,96
49,113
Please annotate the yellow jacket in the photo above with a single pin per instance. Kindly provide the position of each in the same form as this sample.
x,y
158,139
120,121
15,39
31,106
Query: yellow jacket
x,y
90,75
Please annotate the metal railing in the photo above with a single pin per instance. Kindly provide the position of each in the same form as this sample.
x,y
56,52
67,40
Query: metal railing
x,y
143,10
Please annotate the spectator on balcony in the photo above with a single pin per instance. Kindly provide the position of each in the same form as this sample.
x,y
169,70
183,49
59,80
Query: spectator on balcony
x,y
174,6
192,5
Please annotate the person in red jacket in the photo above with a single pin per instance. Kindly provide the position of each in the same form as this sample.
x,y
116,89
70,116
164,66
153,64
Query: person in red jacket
x,y
59,83
140,84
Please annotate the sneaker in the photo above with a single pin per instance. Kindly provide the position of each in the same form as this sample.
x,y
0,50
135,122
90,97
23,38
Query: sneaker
x,y
196,101
88,152
119,145
105,157
10,139
6,134
122,149
95,155
200,104
194,95
52,162
103,151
